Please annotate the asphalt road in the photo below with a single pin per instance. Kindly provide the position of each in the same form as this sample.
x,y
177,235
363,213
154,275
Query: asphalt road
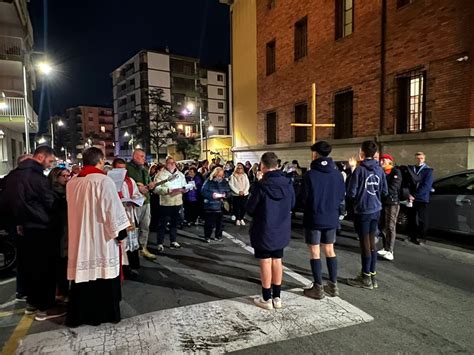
x,y
424,303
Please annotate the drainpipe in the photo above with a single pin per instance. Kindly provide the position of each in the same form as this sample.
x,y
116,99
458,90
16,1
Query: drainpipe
x,y
383,33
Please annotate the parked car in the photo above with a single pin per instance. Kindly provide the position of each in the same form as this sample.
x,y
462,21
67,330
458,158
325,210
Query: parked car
x,y
451,207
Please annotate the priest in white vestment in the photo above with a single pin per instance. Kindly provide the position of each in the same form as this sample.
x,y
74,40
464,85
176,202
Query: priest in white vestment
x,y
96,218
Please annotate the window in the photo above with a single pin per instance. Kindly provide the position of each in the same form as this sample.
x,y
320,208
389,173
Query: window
x,y
401,3
343,114
188,131
271,57
220,77
220,105
220,92
462,184
301,116
411,102
344,18
91,119
301,38
220,119
102,129
271,128
221,132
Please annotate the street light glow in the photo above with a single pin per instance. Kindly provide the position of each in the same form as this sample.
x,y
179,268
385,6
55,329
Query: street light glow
x,y
190,107
180,126
210,128
42,140
45,68
126,134
60,123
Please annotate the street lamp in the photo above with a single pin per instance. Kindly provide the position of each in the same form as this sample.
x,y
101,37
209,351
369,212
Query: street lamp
x,y
210,128
3,102
42,140
64,149
45,68
190,107
60,124
131,140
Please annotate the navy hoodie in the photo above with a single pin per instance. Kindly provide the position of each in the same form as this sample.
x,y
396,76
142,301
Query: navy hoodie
x,y
367,186
423,189
323,193
270,203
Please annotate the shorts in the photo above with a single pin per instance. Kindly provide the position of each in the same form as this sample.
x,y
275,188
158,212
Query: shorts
x,y
266,254
366,223
318,236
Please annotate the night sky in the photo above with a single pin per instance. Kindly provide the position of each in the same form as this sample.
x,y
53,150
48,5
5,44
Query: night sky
x,y
88,39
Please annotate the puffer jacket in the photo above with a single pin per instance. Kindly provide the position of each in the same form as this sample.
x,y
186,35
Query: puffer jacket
x,y
208,189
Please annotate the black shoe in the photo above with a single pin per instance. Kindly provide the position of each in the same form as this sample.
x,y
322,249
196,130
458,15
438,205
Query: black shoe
x,y
130,274
374,280
415,241
361,281
219,239
207,240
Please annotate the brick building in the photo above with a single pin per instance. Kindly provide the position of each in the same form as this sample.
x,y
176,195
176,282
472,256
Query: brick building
x,y
87,126
397,71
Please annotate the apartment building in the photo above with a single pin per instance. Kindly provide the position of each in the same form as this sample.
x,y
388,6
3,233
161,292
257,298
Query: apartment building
x,y
84,127
17,80
183,80
396,71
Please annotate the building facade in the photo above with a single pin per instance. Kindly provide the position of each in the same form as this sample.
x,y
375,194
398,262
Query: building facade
x,y
396,71
182,80
86,126
17,80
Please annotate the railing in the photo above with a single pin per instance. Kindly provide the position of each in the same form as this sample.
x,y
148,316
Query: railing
x,y
11,47
15,109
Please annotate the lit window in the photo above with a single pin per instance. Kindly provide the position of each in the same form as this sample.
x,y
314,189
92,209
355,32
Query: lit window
x,y
102,129
411,102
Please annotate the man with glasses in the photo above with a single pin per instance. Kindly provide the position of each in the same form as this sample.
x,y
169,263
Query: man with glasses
x,y
171,201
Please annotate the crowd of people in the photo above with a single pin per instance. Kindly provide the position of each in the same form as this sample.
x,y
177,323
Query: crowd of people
x,y
90,226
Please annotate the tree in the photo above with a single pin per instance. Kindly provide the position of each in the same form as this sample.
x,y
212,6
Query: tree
x,y
155,127
186,146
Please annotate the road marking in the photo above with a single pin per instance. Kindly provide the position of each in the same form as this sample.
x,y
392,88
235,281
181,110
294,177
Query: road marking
x,y
12,312
7,281
20,331
212,328
8,304
303,280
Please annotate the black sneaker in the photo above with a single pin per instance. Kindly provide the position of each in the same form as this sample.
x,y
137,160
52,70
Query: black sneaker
x,y
374,280
361,281
207,240
30,309
20,297
316,292
51,313
331,289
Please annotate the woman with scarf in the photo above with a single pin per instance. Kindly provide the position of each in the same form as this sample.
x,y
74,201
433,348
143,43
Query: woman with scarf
x,y
240,185
215,191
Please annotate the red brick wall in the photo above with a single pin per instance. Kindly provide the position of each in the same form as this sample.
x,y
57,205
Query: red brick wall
x,y
427,33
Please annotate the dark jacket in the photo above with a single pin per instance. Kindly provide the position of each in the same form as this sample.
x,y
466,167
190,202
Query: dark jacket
x,y
210,187
367,186
29,195
193,195
423,189
323,193
270,203
394,185
59,218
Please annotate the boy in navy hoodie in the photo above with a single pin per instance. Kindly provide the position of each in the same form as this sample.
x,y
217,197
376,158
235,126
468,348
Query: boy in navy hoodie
x,y
366,187
270,203
323,193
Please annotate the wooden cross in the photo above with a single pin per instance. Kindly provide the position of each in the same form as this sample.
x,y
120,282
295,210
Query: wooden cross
x,y
313,123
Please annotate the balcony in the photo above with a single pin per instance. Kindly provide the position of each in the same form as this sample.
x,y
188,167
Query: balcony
x,y
13,115
12,48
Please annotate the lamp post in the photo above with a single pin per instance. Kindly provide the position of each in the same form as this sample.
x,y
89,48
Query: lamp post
x,y
60,123
190,107
131,140
210,128
64,149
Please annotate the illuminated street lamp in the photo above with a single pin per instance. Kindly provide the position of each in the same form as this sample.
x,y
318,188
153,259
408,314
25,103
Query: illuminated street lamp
x,y
45,68
60,123
42,140
3,102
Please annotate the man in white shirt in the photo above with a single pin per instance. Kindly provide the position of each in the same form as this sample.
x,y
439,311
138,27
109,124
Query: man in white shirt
x,y
96,216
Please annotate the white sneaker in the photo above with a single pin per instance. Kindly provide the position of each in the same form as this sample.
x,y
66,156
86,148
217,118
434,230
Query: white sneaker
x,y
237,223
382,252
259,302
175,245
242,222
233,218
388,256
277,303
160,248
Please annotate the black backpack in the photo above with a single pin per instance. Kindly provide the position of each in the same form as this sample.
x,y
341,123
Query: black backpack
x,y
410,181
